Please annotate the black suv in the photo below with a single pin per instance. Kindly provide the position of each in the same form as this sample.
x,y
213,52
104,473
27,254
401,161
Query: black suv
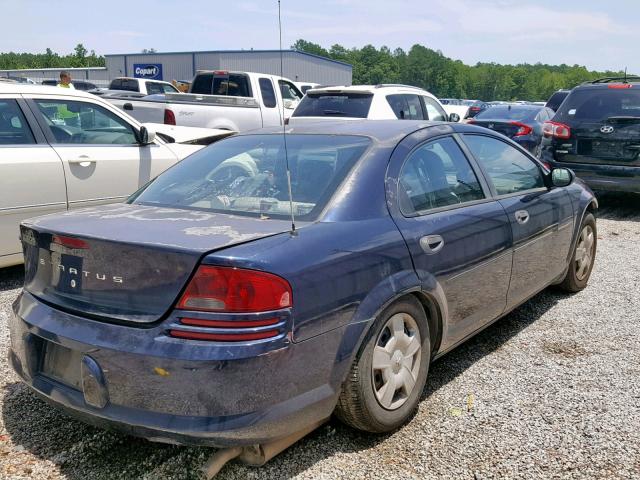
x,y
556,99
596,133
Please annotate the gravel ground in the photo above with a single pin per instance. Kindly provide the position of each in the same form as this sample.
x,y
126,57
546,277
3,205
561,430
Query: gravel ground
x,y
550,391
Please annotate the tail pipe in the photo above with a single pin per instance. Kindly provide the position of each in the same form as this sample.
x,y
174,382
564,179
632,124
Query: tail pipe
x,y
254,455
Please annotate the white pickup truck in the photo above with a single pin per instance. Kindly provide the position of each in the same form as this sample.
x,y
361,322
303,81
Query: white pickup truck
x,y
135,87
236,101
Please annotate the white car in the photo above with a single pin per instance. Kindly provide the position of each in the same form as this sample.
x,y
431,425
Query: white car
x,y
375,102
63,149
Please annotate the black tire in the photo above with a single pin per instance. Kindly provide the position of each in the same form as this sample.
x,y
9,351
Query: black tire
x,y
574,281
358,405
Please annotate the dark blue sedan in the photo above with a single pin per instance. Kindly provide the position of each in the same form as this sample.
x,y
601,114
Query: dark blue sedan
x,y
521,123
196,313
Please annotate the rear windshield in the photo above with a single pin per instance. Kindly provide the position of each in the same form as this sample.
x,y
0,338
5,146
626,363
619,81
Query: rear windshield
x,y
334,105
505,112
236,85
598,105
248,175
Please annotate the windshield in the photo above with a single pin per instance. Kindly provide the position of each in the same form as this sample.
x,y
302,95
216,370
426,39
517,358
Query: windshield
x,y
505,112
597,105
248,175
330,104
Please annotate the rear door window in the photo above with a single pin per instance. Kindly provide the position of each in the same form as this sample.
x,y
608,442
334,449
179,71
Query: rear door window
x,y
406,106
334,104
435,175
509,169
267,92
14,129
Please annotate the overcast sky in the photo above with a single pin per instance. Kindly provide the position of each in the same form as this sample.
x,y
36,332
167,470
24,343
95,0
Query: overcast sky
x,y
598,34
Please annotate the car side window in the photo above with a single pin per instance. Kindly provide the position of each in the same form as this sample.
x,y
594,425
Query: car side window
x,y
267,92
406,107
14,129
85,123
437,174
509,169
435,113
290,91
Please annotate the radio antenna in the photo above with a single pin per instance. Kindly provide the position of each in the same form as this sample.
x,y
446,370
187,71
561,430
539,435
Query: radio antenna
x,y
284,127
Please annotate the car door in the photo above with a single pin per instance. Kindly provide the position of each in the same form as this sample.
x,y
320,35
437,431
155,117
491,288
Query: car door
x,y
31,175
103,161
458,236
541,218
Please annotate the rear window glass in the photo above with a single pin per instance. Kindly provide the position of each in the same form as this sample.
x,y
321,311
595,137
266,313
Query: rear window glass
x,y
268,93
342,104
248,175
597,105
505,112
211,84
13,126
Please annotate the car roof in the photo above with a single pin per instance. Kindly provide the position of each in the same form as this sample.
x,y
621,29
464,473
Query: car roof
x,y
367,88
22,88
380,130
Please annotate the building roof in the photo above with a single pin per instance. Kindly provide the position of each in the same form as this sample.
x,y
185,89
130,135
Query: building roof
x,y
230,51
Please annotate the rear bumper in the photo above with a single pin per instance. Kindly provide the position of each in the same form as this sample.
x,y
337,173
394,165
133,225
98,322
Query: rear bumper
x,y
186,395
615,178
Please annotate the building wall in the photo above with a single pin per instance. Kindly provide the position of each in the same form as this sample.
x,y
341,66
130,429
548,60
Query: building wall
x,y
182,66
99,76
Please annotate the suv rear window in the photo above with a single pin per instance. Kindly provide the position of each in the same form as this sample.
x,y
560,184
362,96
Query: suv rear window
x,y
556,100
334,104
598,104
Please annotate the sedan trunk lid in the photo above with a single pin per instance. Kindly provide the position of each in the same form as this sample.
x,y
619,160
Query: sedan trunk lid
x,y
126,262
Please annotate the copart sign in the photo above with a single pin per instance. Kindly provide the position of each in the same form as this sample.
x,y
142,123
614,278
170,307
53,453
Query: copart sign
x,y
152,71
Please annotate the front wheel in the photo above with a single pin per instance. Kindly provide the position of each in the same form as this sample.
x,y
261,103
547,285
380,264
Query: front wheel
x,y
583,257
388,376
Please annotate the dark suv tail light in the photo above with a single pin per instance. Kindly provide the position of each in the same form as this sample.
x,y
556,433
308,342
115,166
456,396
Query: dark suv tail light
x,y
233,290
522,130
556,130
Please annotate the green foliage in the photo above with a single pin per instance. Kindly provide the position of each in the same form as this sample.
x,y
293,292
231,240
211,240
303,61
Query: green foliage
x,y
447,78
80,57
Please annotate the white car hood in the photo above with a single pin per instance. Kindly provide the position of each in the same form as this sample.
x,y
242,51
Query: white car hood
x,y
189,134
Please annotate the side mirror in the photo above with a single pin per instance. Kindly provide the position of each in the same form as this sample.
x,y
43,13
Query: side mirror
x,y
454,117
289,104
561,177
146,135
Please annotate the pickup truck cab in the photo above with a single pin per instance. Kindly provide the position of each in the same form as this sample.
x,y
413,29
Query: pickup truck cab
x,y
141,86
236,101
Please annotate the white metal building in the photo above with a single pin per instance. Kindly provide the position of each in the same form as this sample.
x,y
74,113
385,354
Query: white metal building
x,y
296,65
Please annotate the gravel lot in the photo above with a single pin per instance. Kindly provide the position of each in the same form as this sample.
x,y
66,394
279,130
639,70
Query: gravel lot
x,y
550,391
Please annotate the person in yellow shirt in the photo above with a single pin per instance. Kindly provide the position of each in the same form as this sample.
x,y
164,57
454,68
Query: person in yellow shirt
x,y
65,80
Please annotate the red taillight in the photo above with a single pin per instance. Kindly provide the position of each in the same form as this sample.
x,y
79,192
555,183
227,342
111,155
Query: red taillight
x,y
69,242
169,117
619,86
227,289
556,130
224,337
522,130
200,322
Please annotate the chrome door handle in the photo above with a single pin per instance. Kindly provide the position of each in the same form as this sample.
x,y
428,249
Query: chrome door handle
x,y
522,217
82,160
431,244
